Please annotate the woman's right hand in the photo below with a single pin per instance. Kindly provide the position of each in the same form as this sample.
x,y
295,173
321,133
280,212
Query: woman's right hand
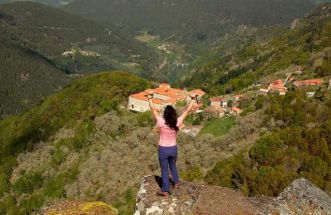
x,y
150,94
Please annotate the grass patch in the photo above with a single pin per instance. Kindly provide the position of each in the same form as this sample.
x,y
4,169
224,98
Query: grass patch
x,y
218,127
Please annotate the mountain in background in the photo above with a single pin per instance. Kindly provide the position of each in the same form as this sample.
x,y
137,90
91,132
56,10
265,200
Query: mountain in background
x,y
76,44
65,2
41,45
56,3
189,20
26,78
306,45
182,31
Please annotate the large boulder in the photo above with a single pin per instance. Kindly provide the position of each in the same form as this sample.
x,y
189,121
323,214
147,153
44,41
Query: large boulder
x,y
301,197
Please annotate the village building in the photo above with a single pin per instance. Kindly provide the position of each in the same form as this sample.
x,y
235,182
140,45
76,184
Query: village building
x,y
216,111
218,102
277,86
310,82
263,91
282,92
310,94
162,96
238,97
236,110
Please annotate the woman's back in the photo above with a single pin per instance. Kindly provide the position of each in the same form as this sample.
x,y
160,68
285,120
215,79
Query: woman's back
x,y
167,134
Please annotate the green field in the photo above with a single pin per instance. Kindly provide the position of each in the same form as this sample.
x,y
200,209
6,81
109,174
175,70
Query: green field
x,y
218,127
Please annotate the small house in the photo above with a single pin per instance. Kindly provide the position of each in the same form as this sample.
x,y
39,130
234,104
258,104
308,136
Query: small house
x,y
216,102
216,111
236,110
277,86
263,91
310,82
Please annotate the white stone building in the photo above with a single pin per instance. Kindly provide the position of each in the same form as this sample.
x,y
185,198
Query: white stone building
x,y
162,96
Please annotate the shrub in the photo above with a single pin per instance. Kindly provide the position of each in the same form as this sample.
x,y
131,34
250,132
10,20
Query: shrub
x,y
4,184
8,205
193,174
81,133
285,153
58,157
28,182
145,119
32,203
125,203
54,187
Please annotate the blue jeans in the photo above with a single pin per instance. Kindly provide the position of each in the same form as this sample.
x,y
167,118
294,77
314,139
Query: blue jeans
x,y
167,159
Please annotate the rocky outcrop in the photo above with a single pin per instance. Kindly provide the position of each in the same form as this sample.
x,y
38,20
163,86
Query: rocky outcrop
x,y
301,197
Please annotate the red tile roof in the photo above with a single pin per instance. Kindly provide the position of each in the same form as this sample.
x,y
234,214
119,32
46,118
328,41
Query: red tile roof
x,y
236,109
143,96
172,95
216,99
239,96
277,85
198,92
309,82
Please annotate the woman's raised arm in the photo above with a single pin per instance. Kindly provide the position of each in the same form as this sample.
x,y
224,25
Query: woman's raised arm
x,y
154,111
188,109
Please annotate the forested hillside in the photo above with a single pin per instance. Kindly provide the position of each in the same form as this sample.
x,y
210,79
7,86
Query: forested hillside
x,y
189,21
57,117
76,44
82,144
296,144
181,31
307,45
41,45
26,78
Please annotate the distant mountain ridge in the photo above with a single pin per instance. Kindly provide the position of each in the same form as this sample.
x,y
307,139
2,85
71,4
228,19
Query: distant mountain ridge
x,y
189,19
75,43
300,46
56,3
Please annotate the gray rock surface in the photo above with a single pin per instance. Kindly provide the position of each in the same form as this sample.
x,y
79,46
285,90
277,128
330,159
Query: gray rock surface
x,y
301,197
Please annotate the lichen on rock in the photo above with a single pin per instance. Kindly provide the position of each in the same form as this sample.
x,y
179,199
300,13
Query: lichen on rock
x,y
79,208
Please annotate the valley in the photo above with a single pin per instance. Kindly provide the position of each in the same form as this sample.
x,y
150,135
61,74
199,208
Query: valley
x,y
72,139
175,57
71,45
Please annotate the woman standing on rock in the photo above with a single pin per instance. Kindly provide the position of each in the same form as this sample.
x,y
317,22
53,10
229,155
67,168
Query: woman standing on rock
x,y
169,126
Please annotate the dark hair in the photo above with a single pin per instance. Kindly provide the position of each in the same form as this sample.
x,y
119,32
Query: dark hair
x,y
170,117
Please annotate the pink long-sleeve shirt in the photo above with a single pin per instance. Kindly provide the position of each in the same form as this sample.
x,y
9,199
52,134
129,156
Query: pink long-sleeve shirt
x,y
167,135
